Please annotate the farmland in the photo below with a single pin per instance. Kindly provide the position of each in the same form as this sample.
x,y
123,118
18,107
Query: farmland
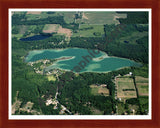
x,y
125,87
142,85
49,28
101,18
26,30
58,29
90,31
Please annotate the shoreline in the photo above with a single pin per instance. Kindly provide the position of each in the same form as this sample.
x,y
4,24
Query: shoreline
x,y
106,54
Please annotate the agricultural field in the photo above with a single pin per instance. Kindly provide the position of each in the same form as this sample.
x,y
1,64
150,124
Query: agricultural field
x,y
142,85
90,31
56,28
36,15
125,88
102,17
20,31
34,12
99,90
50,28
68,16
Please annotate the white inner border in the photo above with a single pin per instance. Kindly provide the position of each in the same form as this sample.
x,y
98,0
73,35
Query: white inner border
x,y
81,117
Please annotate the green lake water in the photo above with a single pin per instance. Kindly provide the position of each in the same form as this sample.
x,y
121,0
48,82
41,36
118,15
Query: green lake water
x,y
82,60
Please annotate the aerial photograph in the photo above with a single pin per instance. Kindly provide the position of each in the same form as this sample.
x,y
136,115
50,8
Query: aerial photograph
x,y
79,62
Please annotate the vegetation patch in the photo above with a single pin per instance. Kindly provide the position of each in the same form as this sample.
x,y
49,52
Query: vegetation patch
x,y
51,78
56,28
102,17
142,85
125,88
65,31
96,111
86,30
51,28
99,90
34,12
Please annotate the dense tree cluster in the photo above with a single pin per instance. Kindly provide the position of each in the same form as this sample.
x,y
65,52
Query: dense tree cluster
x,y
135,18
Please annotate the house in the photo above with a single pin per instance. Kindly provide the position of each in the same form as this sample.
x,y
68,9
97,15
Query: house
x,y
119,99
130,73
103,85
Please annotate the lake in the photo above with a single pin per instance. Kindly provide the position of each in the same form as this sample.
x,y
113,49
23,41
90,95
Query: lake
x,y
35,37
80,60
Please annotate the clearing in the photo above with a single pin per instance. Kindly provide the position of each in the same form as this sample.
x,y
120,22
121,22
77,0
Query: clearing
x,y
34,12
96,111
102,17
142,85
86,30
16,104
65,31
50,28
99,90
51,78
125,87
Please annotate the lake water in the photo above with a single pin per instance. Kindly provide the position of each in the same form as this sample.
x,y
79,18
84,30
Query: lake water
x,y
35,37
82,60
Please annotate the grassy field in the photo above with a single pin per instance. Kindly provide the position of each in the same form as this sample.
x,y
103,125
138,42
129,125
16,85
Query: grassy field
x,y
102,17
121,108
34,12
17,35
142,85
27,30
35,16
69,17
99,90
51,78
88,30
96,111
125,83
49,28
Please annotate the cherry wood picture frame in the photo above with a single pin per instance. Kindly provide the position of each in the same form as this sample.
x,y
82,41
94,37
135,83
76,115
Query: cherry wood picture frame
x,y
5,5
